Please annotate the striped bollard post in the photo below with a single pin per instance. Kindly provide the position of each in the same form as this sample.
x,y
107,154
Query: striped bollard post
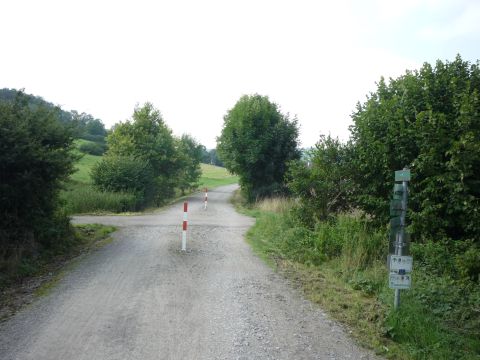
x,y
206,198
184,232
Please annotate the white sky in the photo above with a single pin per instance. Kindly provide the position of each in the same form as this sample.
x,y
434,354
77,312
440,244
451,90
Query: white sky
x,y
194,59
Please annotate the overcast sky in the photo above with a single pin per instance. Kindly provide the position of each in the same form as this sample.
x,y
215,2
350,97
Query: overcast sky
x,y
194,59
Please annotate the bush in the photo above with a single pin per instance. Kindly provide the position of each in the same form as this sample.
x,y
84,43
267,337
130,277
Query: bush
x,y
125,174
93,148
428,121
322,183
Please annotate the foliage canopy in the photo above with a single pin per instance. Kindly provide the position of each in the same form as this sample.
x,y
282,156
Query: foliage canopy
x,y
429,121
256,143
144,158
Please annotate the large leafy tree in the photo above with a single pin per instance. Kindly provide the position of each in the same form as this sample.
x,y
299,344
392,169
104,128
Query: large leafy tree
x,y
427,120
256,143
146,137
35,159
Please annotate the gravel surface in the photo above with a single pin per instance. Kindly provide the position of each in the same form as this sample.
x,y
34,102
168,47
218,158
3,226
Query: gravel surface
x,y
140,297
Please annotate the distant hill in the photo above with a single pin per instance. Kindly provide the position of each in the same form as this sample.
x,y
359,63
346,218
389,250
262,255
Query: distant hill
x,y
86,126
10,94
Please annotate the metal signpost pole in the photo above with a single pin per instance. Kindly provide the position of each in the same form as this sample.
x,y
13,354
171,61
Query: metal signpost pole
x,y
400,265
400,238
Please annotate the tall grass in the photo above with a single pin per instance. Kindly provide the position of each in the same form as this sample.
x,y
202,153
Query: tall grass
x,y
337,260
84,198
276,205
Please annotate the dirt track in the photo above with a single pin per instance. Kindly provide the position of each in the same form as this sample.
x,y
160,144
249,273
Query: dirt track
x,y
141,298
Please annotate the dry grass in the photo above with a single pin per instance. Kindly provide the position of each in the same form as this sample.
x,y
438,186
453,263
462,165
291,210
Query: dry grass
x,y
276,205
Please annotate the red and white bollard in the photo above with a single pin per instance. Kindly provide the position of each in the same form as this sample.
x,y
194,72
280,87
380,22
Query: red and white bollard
x,y
206,199
184,232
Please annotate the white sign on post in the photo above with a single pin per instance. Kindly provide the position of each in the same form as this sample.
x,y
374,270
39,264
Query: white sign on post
x,y
398,262
397,281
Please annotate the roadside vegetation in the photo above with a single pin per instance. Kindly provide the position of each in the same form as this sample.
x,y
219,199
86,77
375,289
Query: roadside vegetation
x,y
35,159
332,233
341,265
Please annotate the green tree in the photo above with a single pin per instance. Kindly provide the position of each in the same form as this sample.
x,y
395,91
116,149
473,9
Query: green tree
x,y
95,127
146,137
256,143
190,153
35,159
427,120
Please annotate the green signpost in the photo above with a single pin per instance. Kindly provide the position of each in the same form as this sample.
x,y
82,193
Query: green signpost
x,y
399,264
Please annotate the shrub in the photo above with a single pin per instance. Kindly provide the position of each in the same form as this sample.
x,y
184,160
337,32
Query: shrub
x,y
322,183
125,174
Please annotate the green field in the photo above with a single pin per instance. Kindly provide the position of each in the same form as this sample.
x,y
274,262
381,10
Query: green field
x,y
84,165
213,176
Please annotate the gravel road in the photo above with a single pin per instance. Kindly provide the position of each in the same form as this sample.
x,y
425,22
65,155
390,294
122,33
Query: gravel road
x,y
140,297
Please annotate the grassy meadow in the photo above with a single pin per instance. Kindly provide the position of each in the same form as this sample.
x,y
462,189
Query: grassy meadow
x,y
84,165
214,176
